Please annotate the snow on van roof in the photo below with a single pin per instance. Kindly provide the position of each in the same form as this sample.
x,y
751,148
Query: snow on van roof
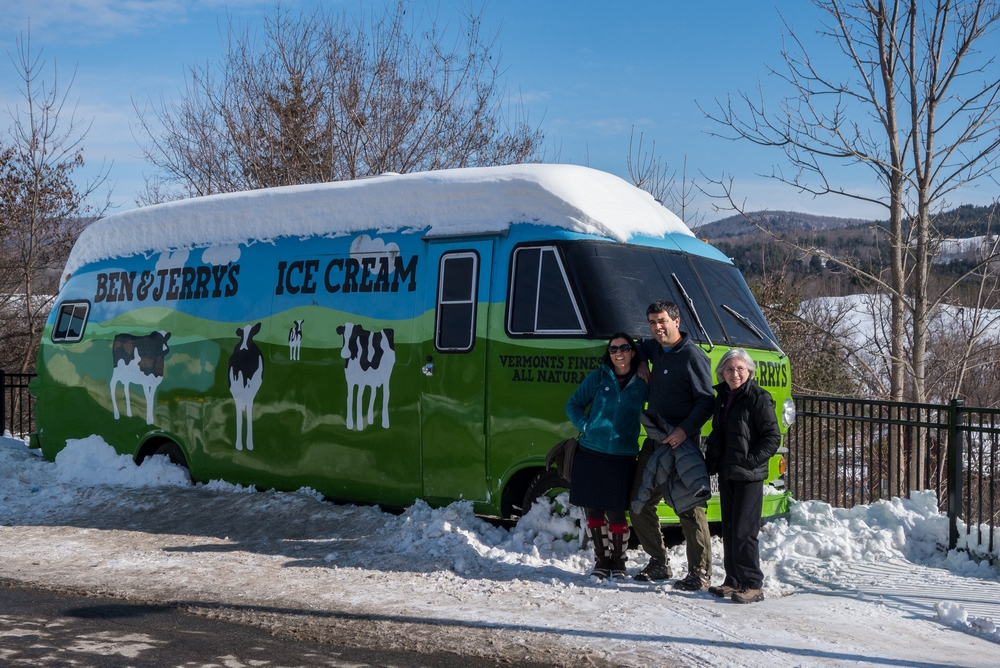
x,y
438,203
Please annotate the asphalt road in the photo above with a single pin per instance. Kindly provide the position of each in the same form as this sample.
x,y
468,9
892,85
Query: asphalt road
x,y
43,628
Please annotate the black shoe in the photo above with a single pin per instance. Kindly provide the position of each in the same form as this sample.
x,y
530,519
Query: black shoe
x,y
696,580
747,595
654,570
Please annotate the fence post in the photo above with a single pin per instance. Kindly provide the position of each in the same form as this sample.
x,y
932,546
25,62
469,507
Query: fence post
x,y
3,401
956,418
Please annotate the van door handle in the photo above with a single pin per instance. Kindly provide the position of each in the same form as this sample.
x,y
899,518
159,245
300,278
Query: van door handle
x,y
428,369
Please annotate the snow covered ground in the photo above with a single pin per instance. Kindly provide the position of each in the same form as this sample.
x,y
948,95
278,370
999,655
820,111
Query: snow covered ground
x,y
868,586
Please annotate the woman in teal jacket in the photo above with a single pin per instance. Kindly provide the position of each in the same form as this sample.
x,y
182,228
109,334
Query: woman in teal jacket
x,y
604,465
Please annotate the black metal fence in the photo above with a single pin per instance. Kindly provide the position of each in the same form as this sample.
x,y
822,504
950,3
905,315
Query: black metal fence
x,y
17,408
854,451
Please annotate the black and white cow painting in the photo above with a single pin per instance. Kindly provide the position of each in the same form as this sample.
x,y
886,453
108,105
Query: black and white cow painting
x,y
138,360
246,369
295,340
368,361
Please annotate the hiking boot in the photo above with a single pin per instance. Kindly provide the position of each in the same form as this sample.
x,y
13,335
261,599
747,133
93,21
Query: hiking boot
x,y
747,595
722,591
696,580
654,570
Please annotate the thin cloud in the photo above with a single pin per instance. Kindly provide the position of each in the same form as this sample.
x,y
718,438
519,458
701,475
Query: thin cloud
x,y
88,21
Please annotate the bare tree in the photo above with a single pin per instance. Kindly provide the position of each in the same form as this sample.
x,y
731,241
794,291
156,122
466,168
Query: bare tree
x,y
41,207
321,97
813,334
916,108
648,170
683,196
964,344
954,131
652,173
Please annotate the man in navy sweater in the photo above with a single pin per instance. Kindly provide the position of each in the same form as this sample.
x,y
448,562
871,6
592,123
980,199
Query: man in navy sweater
x,y
680,391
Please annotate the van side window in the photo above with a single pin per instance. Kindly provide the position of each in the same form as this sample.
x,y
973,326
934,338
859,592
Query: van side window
x,y
71,322
541,301
458,289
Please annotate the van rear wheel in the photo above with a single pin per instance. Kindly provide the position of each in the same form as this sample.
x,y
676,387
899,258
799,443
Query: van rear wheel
x,y
173,452
547,483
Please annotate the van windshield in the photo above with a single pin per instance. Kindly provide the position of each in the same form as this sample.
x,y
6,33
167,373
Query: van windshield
x,y
617,282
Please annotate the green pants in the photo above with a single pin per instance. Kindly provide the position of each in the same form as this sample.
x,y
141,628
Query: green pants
x,y
646,524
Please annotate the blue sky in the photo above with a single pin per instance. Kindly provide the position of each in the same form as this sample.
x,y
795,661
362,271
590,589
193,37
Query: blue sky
x,y
587,72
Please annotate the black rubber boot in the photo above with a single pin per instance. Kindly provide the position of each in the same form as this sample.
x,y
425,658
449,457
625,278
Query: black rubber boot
x,y
602,566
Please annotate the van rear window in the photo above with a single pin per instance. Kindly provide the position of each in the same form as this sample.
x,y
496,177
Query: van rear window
x,y
71,322
617,282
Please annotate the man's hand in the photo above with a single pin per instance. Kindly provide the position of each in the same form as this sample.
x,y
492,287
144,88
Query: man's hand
x,y
643,372
676,437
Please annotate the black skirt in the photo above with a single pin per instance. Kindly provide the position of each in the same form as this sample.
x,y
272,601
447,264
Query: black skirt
x,y
601,481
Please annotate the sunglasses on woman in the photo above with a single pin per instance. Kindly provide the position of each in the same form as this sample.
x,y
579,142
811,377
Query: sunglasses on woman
x,y
614,349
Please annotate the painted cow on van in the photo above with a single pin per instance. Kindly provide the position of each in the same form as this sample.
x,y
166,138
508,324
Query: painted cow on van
x,y
138,360
246,371
295,341
368,361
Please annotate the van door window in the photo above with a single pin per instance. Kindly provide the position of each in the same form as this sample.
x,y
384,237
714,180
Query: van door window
x,y
458,287
541,301
71,322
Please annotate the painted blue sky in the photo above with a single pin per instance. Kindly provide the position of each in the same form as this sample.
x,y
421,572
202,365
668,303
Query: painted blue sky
x,y
587,72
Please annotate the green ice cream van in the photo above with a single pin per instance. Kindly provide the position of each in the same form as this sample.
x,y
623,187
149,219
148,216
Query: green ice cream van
x,y
383,340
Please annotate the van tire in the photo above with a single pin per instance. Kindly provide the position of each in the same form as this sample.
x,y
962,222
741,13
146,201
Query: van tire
x,y
173,452
546,483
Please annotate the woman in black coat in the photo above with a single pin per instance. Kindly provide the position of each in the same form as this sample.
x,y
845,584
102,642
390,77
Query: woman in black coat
x,y
744,437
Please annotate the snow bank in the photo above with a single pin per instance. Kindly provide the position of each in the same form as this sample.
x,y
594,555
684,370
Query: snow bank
x,y
8,440
817,532
451,201
816,545
821,543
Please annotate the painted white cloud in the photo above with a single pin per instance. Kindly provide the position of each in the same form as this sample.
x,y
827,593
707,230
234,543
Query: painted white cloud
x,y
170,260
218,255
365,246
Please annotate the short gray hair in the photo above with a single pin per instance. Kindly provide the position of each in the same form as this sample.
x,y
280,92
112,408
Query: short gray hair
x,y
738,353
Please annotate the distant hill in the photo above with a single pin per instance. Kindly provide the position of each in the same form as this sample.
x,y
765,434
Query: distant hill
x,y
777,221
849,241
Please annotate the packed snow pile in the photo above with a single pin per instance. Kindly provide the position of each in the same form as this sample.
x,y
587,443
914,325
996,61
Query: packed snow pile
x,y
467,544
817,534
448,201
954,615
90,461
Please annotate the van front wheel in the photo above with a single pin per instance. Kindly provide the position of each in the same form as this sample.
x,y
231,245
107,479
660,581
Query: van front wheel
x,y
547,483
